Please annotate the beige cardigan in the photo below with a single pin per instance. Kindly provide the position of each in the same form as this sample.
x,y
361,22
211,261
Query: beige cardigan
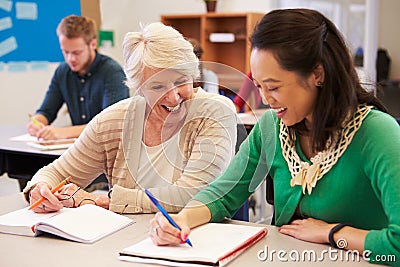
x,y
111,143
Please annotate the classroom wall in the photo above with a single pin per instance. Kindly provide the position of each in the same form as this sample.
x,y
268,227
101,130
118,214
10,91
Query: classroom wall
x,y
22,93
388,35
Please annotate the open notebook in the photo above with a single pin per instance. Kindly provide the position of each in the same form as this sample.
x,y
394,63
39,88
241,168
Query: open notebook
x,y
214,244
44,144
85,224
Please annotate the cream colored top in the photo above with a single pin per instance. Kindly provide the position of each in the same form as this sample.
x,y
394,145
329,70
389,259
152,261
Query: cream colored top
x,y
158,163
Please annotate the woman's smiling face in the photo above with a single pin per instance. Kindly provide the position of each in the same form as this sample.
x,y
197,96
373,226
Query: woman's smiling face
x,y
291,96
166,91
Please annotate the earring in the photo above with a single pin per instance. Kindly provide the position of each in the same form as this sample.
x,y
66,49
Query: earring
x,y
320,85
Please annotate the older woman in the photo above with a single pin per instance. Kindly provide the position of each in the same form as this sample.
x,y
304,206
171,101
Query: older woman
x,y
327,143
170,138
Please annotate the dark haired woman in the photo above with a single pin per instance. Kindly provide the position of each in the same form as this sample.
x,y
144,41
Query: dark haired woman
x,y
329,145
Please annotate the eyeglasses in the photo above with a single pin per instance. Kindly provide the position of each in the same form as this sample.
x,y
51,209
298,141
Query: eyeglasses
x,y
126,205
71,196
73,199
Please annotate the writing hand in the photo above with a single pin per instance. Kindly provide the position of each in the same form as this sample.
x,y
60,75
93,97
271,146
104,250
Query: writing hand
x,y
49,133
33,129
51,202
163,233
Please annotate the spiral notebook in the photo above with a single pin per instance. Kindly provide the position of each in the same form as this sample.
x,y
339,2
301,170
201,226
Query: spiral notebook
x,y
214,244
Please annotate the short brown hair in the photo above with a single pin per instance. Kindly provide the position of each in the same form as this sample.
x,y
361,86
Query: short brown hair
x,y
75,26
197,49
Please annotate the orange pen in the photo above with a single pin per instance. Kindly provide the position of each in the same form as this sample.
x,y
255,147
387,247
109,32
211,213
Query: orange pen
x,y
55,189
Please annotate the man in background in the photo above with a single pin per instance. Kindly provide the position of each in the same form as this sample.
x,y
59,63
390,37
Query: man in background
x,y
87,82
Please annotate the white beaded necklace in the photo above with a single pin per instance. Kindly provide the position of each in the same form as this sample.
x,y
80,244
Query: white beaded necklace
x,y
307,175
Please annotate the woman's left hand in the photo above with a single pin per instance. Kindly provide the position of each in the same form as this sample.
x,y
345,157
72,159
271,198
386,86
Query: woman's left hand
x,y
73,196
311,230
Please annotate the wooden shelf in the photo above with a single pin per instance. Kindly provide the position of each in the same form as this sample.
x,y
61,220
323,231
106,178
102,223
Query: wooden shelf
x,y
234,54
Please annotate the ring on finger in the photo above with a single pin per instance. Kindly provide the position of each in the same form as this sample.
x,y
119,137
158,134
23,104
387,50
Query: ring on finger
x,y
43,206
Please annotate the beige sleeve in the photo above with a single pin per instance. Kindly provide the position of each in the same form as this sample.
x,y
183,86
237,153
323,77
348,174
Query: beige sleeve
x,y
83,161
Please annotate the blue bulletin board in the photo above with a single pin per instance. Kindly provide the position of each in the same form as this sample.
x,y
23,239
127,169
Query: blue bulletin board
x,y
28,29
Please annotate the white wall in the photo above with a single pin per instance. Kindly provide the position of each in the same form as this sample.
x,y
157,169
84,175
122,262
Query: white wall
x,y
388,34
22,93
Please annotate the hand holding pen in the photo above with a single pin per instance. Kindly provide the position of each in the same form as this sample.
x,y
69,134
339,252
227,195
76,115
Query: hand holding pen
x,y
34,126
35,121
43,190
165,214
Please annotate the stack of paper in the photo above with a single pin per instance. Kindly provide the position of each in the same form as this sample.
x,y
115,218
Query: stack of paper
x,y
52,144
44,144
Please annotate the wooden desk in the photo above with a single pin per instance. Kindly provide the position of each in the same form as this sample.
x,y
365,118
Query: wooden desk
x,y
19,160
45,250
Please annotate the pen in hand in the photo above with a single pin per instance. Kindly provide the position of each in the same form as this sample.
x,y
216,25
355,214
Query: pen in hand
x,y
164,212
55,189
35,121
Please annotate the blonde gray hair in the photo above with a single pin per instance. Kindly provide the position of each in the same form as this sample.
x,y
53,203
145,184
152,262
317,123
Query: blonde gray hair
x,y
157,46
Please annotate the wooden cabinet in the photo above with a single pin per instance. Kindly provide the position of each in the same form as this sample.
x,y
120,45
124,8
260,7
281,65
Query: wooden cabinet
x,y
233,56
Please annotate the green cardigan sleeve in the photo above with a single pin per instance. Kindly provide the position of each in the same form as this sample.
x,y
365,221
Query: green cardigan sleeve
x,y
382,166
244,174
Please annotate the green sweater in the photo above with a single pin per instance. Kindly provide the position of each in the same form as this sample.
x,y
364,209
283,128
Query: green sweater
x,y
362,188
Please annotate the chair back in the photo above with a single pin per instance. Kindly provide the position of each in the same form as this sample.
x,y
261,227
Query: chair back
x,y
243,212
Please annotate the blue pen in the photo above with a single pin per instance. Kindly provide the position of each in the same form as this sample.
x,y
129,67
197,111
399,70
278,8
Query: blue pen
x,y
162,210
